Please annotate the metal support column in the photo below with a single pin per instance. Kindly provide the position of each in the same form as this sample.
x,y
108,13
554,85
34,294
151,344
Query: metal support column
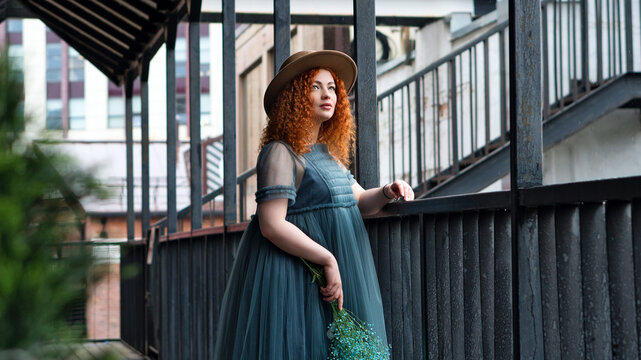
x,y
144,128
282,37
194,117
525,171
229,110
170,39
129,89
366,115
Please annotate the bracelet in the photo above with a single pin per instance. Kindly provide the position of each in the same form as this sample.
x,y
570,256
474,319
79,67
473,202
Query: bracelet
x,y
384,193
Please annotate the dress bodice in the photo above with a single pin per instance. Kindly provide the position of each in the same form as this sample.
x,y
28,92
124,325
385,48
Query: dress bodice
x,y
324,182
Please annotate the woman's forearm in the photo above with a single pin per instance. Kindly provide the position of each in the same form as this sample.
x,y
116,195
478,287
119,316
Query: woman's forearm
x,y
372,200
289,238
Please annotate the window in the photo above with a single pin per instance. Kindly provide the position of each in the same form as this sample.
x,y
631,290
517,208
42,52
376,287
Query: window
x,y
14,26
116,112
76,66
77,113
205,109
181,57
54,114
16,56
54,62
204,56
181,109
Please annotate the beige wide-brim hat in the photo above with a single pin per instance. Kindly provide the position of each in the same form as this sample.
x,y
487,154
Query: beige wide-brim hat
x,y
342,65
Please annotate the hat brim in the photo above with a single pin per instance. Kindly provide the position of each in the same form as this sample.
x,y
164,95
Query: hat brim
x,y
340,63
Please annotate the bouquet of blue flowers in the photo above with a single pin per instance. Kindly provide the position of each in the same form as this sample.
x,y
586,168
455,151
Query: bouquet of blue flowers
x,y
351,338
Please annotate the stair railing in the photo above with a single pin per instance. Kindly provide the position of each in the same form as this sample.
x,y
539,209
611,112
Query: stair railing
x,y
454,112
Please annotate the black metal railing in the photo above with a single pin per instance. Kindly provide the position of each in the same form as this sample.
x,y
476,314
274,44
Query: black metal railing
x,y
454,112
445,271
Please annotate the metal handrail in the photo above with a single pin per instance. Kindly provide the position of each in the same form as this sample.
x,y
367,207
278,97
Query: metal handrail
x,y
445,59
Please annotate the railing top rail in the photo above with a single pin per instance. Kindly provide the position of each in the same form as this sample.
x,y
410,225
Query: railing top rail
x,y
448,204
624,189
495,29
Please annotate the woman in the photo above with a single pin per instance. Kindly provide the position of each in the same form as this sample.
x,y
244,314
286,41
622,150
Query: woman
x,y
309,206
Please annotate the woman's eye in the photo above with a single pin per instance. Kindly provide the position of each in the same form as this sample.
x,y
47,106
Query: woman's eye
x,y
315,87
332,88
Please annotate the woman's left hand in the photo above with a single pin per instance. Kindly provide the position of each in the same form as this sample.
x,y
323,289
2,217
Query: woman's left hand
x,y
400,188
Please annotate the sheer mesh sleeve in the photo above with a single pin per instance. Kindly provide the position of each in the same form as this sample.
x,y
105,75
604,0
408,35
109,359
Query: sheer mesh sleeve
x,y
276,173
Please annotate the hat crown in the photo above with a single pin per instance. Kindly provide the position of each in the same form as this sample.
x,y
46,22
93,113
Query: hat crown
x,y
293,58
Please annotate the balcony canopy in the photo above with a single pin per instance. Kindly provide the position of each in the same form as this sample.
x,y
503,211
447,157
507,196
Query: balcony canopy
x,y
119,36
116,36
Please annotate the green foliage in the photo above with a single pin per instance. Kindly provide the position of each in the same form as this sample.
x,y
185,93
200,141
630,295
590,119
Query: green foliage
x,y
39,278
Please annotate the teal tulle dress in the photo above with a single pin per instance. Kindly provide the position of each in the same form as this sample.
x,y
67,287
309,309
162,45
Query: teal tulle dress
x,y
271,309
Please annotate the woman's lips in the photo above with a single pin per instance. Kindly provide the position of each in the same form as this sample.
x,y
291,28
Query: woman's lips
x,y
326,106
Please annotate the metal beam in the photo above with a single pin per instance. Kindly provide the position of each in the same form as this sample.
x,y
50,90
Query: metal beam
x,y
300,19
144,129
170,37
194,126
526,153
229,110
129,89
366,114
282,32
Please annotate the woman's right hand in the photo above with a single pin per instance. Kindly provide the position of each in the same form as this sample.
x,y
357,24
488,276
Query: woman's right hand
x,y
333,289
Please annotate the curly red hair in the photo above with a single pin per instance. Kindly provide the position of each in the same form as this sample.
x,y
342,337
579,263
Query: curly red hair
x,y
291,118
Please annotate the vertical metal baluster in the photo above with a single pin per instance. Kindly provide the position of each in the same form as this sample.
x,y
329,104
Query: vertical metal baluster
x,y
460,104
471,107
390,132
409,132
453,119
502,85
486,80
560,75
569,46
574,61
584,45
629,49
609,36
619,34
392,144
546,60
423,141
436,125
402,134
555,19
599,41
476,102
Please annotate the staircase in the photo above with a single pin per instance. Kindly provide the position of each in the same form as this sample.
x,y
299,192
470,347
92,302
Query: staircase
x,y
445,130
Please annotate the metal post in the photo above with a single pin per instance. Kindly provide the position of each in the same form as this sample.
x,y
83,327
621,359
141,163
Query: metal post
x,y
144,128
170,38
525,171
282,25
229,110
367,126
129,89
195,157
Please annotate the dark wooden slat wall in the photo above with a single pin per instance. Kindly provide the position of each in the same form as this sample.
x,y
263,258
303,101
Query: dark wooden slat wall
x,y
445,281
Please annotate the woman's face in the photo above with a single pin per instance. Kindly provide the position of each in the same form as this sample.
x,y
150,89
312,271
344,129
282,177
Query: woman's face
x,y
323,96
